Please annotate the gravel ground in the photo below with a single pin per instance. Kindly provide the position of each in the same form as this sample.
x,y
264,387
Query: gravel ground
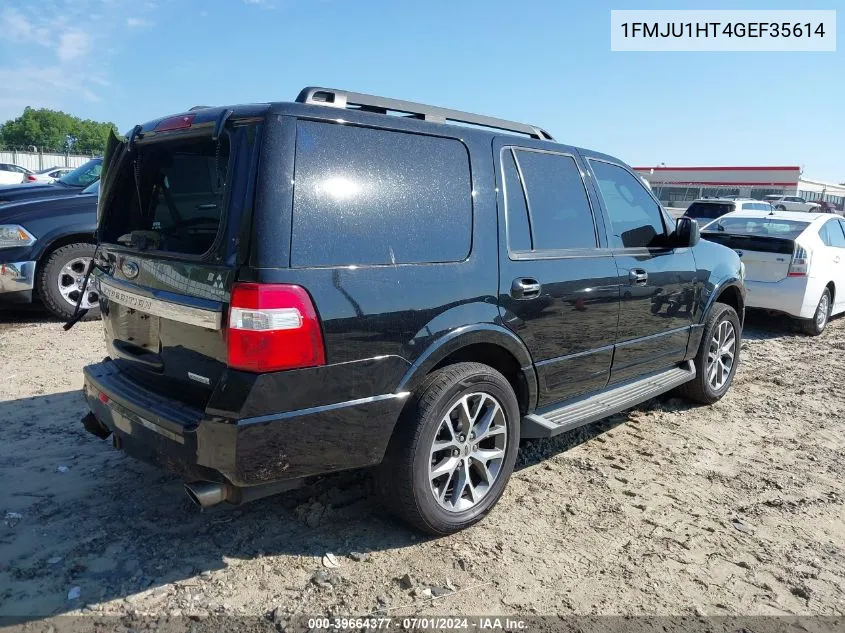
x,y
666,509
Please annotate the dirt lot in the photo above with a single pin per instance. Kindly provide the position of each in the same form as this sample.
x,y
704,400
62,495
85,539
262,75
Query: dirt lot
x,y
737,508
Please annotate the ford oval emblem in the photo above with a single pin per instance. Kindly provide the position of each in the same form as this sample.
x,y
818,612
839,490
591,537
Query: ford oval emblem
x,y
129,268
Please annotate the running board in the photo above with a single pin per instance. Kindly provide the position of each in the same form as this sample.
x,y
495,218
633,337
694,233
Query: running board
x,y
592,408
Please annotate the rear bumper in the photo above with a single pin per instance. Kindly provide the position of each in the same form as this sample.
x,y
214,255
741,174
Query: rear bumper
x,y
241,452
17,279
794,296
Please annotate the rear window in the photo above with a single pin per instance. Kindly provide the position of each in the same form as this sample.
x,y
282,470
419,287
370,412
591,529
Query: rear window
x,y
561,216
366,197
788,229
708,210
756,206
170,196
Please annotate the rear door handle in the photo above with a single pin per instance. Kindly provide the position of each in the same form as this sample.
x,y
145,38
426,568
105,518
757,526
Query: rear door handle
x,y
638,277
525,288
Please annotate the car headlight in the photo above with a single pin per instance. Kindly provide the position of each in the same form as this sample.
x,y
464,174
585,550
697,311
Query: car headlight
x,y
15,235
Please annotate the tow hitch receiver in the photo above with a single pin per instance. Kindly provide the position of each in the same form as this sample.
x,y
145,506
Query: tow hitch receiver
x,y
92,425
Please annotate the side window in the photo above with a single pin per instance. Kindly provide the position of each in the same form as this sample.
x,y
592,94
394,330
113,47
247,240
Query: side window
x,y
835,235
558,205
519,232
365,196
824,233
635,217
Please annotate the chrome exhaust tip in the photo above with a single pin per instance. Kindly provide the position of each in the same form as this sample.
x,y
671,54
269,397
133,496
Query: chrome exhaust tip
x,y
206,494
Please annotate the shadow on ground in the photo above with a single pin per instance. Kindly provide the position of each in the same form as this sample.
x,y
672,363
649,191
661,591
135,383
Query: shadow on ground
x,y
19,314
78,513
761,325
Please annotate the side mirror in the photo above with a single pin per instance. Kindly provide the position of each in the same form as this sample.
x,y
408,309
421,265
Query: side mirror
x,y
686,233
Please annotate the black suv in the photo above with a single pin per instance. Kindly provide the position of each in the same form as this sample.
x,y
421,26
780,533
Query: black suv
x,y
292,289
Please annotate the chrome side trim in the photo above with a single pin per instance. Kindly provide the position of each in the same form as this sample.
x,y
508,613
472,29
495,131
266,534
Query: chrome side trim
x,y
201,317
559,359
17,276
261,419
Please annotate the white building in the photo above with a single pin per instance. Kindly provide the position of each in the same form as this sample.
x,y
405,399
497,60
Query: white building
x,y
678,186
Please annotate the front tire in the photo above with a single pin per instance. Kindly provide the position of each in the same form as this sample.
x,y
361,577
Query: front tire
x,y
818,323
60,281
453,450
717,357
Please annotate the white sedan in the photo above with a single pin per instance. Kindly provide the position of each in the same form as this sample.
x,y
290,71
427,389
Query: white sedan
x,y
794,264
12,174
48,175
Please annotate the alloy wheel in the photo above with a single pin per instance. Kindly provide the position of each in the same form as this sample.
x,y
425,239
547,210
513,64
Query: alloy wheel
x,y
822,311
468,451
721,354
71,281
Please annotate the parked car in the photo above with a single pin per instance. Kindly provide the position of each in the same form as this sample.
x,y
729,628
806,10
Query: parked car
x,y
793,264
11,174
45,247
706,210
48,175
69,184
293,289
791,203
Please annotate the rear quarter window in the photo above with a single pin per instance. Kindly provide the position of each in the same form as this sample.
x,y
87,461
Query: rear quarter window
x,y
371,197
708,210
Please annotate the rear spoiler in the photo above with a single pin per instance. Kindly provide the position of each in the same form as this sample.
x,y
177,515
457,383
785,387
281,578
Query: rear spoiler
x,y
759,243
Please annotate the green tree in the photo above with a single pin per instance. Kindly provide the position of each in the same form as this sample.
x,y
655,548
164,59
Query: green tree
x,y
55,131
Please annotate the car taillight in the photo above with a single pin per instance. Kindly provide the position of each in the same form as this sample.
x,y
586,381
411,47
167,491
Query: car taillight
x,y
31,178
800,264
273,327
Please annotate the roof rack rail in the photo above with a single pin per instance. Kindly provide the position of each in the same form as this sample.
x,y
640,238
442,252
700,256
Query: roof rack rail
x,y
382,105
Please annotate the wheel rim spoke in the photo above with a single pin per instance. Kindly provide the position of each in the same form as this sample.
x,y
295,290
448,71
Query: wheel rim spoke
x,y
446,467
482,427
484,456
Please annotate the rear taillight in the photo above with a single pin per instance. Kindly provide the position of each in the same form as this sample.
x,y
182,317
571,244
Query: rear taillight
x,y
273,327
31,178
800,264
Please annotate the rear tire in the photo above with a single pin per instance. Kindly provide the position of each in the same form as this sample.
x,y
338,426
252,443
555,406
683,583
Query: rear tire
x,y
476,453
58,285
818,323
717,357
780,207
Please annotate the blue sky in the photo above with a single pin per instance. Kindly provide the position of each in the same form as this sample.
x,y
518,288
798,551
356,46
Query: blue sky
x,y
546,62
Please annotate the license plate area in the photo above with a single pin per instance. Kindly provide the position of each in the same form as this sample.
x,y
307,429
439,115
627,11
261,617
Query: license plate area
x,y
135,327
